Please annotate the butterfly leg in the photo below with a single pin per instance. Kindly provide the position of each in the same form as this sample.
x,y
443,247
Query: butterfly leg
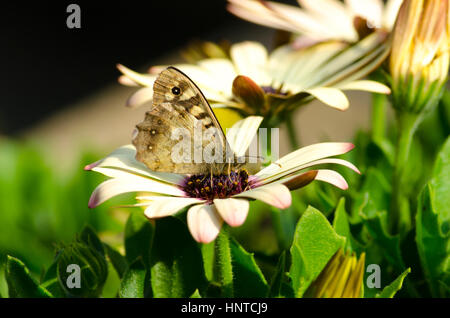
x,y
211,178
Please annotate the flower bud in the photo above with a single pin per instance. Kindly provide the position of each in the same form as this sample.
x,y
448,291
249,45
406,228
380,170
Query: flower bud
x,y
342,277
419,59
81,266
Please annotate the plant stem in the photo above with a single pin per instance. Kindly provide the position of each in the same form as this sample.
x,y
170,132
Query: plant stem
x,y
223,263
400,216
292,133
378,116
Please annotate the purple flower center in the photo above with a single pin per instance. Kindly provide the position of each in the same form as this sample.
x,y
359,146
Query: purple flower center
x,y
220,186
271,90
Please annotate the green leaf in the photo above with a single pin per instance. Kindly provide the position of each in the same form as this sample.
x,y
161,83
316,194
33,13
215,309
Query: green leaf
x,y
139,234
133,281
50,280
238,273
117,260
90,238
390,244
277,279
20,282
176,261
441,185
371,206
390,290
248,280
374,195
342,227
196,294
315,242
280,286
432,243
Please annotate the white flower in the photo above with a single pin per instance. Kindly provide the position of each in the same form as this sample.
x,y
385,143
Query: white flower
x,y
164,194
320,20
258,83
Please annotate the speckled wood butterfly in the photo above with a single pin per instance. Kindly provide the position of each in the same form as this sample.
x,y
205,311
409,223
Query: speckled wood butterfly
x,y
179,105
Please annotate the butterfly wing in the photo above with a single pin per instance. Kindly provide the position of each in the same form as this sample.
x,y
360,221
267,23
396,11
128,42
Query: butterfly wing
x,y
179,108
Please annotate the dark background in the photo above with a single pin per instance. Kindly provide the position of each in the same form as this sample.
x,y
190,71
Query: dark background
x,y
46,66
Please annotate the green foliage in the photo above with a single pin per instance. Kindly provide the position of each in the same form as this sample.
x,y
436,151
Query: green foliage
x,y
138,238
433,233
133,281
20,283
390,290
342,228
274,254
176,260
87,253
315,242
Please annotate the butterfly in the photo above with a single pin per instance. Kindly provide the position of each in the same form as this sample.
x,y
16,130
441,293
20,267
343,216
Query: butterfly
x,y
179,105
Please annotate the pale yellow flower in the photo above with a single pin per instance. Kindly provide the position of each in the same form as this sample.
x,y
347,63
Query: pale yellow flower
x,y
257,82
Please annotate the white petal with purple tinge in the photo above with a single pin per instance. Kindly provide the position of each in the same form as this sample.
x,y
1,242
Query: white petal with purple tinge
x,y
277,195
303,156
165,206
233,211
204,222
333,178
123,158
116,186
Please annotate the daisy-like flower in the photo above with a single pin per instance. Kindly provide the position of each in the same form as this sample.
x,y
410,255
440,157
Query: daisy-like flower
x,y
320,20
224,197
342,277
255,82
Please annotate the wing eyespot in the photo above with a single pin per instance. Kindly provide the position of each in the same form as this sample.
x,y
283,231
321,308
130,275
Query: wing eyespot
x,y
176,90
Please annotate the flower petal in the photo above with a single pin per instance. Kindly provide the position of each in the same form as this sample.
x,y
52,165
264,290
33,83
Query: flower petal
x,y
282,176
204,222
333,178
320,26
123,158
165,206
390,13
111,188
277,195
332,14
233,211
241,135
305,155
140,97
142,79
366,85
126,81
259,12
250,59
331,96
370,10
